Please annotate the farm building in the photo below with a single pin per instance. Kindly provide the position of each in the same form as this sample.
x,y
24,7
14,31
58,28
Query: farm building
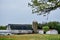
x,y
52,32
20,28
26,28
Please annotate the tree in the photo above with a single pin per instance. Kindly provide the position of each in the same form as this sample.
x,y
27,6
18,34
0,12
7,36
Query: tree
x,y
45,28
2,27
53,24
44,6
58,28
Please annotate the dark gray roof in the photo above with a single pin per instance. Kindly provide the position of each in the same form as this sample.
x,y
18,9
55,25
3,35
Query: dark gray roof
x,y
20,26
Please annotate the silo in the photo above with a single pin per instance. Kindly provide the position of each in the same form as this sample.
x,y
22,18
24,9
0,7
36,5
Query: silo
x,y
35,26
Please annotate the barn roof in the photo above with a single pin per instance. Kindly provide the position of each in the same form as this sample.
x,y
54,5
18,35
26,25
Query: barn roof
x,y
20,26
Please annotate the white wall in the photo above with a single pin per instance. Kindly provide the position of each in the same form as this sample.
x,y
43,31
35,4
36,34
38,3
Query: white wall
x,y
52,32
40,31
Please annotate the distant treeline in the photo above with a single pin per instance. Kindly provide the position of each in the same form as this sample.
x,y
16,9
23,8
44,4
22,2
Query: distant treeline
x,y
51,25
2,27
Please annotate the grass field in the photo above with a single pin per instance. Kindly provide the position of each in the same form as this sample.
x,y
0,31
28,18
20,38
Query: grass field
x,y
31,37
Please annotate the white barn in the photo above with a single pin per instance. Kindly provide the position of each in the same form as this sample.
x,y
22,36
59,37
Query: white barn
x,y
20,28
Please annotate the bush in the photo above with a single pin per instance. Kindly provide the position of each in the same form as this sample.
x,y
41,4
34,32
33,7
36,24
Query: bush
x,y
45,28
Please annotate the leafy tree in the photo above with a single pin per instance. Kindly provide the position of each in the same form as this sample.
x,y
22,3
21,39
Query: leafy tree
x,y
52,25
58,28
44,6
45,28
40,26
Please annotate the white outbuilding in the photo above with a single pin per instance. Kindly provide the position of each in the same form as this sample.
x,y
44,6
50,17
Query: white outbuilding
x,y
40,31
52,32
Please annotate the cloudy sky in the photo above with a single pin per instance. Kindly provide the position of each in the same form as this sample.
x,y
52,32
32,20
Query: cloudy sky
x,y
18,12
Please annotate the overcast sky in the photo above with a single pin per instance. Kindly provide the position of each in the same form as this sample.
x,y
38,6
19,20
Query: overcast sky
x,y
18,12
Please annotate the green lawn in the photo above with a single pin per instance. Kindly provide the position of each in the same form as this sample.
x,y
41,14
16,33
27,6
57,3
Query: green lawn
x,y
31,37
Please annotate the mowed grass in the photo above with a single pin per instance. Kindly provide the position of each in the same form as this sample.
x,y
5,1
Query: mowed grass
x,y
31,37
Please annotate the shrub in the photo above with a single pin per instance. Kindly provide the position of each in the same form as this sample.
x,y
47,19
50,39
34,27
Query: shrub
x,y
45,28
